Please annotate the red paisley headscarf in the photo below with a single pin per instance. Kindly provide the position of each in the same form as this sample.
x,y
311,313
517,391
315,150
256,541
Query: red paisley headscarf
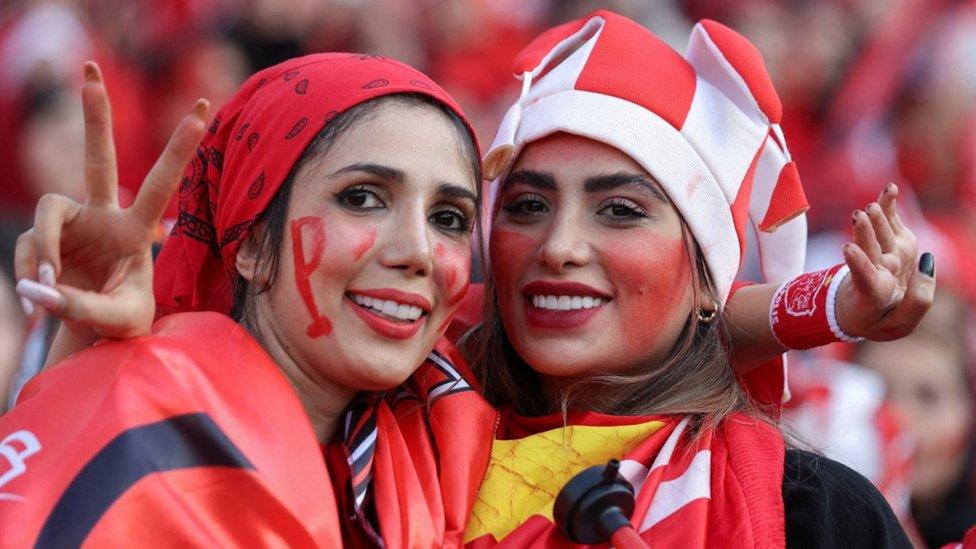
x,y
248,152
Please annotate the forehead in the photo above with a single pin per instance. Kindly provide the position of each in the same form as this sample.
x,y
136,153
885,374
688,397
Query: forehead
x,y
416,139
571,157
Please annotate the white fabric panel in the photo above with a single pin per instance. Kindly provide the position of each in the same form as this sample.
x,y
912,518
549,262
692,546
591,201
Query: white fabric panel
x,y
783,253
694,483
711,65
724,136
564,75
661,150
595,24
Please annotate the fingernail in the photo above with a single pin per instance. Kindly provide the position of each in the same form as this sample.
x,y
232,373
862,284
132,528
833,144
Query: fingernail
x,y
45,273
201,108
926,264
27,306
45,296
91,72
854,218
889,187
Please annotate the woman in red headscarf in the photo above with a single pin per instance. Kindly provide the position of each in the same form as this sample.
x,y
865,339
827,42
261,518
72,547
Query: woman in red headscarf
x,y
416,461
317,255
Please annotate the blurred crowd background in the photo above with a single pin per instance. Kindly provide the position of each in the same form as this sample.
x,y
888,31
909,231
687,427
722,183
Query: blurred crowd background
x,y
873,91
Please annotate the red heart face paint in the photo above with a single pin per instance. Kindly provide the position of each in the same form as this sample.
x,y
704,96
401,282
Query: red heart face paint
x,y
311,249
364,245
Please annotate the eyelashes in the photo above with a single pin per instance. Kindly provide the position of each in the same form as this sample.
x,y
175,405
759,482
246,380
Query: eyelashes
x,y
617,211
365,198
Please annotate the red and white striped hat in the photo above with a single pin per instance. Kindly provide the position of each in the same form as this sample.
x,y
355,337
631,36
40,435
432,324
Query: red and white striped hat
x,y
705,125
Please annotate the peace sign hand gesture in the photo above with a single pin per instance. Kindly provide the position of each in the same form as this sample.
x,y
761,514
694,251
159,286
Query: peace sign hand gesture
x,y
91,264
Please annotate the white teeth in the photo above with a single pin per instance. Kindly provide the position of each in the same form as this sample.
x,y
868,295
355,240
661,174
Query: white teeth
x,y
565,302
401,311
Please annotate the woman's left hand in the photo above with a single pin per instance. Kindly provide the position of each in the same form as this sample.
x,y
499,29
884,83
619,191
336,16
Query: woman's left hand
x,y
889,289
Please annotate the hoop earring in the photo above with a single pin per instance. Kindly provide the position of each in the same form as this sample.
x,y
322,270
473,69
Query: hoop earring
x,y
707,316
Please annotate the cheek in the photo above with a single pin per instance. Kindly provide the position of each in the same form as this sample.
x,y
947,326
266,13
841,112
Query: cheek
x,y
453,267
652,276
510,253
365,244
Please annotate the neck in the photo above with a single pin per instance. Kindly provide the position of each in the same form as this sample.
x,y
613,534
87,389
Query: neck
x,y
323,400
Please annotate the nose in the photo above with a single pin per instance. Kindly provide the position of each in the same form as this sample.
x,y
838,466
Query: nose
x,y
564,247
409,247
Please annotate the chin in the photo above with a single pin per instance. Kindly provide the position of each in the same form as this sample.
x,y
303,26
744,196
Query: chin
x,y
559,360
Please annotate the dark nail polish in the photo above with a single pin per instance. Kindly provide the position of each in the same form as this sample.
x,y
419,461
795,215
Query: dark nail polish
x,y
888,187
926,264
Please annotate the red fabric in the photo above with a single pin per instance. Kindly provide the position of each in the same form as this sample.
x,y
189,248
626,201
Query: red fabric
x,y
432,450
105,393
251,147
799,311
748,62
743,506
788,200
630,61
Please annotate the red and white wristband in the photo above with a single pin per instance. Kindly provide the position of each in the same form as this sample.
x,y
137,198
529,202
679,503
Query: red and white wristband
x,y
803,312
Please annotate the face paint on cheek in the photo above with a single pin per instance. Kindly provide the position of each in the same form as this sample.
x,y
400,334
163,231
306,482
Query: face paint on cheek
x,y
651,277
510,253
453,266
303,269
364,246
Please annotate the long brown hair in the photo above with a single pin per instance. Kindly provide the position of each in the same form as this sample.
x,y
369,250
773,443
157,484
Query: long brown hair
x,y
695,379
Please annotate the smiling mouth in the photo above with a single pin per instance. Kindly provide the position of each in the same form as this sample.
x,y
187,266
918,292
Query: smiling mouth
x,y
388,309
565,302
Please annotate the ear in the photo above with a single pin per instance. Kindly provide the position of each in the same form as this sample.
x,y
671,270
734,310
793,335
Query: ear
x,y
247,261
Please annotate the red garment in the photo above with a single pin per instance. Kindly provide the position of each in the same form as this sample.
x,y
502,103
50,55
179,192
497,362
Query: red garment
x,y
251,147
175,439
721,489
433,441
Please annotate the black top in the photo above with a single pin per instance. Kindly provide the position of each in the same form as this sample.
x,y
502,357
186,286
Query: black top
x,y
831,505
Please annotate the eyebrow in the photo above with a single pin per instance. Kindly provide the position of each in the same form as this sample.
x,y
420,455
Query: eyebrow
x,y
609,182
450,190
383,172
447,190
543,181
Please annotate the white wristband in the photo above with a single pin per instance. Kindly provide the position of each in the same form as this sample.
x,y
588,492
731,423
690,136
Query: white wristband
x,y
839,277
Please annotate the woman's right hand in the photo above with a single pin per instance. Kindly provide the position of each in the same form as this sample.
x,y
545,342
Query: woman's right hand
x,y
91,264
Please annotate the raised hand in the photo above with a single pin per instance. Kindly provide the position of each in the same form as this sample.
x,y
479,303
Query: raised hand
x,y
90,264
890,289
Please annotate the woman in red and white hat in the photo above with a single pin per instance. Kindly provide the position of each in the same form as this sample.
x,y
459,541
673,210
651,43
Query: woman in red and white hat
x,y
625,179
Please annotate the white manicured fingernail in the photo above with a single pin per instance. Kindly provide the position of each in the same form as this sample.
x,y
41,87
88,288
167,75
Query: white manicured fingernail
x,y
45,296
27,306
45,273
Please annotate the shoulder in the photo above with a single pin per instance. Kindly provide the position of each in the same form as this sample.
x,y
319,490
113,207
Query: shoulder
x,y
828,504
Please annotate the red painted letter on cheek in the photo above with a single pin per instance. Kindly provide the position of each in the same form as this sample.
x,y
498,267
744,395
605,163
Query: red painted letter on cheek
x,y
303,269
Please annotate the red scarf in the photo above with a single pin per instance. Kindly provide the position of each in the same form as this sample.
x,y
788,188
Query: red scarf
x,y
723,488
252,146
433,438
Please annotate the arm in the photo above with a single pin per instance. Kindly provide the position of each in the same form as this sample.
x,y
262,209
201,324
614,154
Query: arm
x,y
887,294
